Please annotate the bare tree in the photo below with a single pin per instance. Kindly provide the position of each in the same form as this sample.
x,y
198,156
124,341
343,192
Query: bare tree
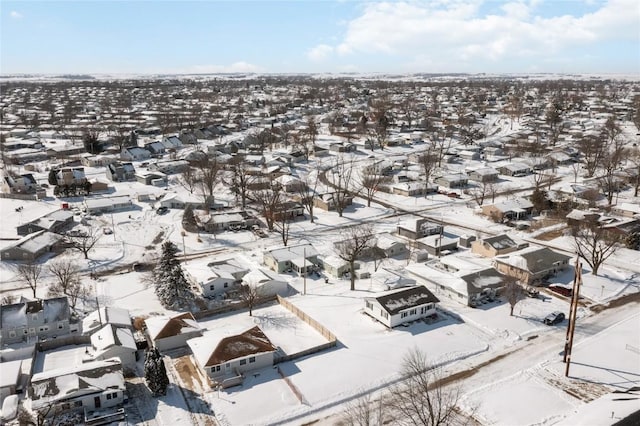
x,y
594,243
342,178
610,161
592,148
208,169
268,201
189,179
358,240
282,224
428,161
307,191
67,281
240,179
422,398
250,294
370,179
29,273
479,192
84,241
634,157
512,291
364,411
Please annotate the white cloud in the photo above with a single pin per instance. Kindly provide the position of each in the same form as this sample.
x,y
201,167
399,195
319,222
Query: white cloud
x,y
455,32
15,14
320,52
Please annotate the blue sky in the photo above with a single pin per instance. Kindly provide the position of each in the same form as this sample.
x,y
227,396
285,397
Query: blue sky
x,y
569,36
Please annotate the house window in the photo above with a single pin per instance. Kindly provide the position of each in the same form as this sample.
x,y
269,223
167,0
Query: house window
x,y
45,328
26,331
243,361
34,317
108,396
12,333
215,368
77,403
413,312
66,406
252,359
226,285
403,315
211,287
369,306
60,326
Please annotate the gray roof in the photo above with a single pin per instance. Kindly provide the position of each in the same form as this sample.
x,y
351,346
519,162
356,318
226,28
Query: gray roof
x,y
500,242
406,298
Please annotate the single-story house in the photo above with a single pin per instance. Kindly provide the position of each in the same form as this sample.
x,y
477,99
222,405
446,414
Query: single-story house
x,y
389,245
167,333
89,386
214,279
299,258
576,217
415,227
90,160
329,200
335,266
413,189
532,265
627,209
485,174
32,246
54,221
169,167
515,169
496,245
401,306
456,180
153,178
225,359
267,283
459,279
107,204
23,184
289,183
515,209
134,154
437,245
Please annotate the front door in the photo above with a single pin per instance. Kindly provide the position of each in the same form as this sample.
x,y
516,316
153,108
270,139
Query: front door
x,y
96,401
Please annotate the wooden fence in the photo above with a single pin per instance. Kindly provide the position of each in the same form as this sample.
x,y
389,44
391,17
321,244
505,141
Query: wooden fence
x,y
306,318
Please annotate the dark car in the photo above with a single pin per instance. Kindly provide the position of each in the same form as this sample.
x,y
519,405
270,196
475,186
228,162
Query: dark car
x,y
162,210
564,291
554,318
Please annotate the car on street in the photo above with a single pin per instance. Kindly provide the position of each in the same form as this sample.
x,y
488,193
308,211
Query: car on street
x,y
554,318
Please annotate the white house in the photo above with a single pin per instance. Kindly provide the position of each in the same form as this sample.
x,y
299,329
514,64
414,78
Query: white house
x,y
111,341
97,384
106,315
107,204
401,306
214,279
299,258
167,333
225,359
266,282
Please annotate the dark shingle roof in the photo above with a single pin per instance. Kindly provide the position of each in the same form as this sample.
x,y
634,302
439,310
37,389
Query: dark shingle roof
x,y
406,298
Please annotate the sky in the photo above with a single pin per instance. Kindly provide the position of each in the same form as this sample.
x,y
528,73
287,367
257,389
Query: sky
x,y
308,36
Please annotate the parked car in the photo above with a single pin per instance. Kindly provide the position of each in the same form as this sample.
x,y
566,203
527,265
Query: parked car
x,y
554,318
162,210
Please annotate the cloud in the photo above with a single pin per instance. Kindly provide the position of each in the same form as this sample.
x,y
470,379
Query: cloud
x,y
455,32
320,52
15,14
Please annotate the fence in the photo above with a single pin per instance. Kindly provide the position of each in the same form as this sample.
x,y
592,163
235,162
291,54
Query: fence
x,y
231,307
19,196
306,318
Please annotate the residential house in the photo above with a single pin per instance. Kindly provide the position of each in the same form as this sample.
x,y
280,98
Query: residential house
x,y
156,148
120,172
214,279
166,333
90,160
496,246
169,167
31,246
438,245
89,386
300,258
224,360
533,265
514,209
515,169
227,220
335,266
389,279
576,217
106,315
413,189
146,177
469,155
451,181
627,209
23,184
401,306
114,342
329,200
464,280
10,379
71,176
54,221
39,319
485,174
389,245
415,227
134,154
289,183
107,204
172,142
289,210
266,282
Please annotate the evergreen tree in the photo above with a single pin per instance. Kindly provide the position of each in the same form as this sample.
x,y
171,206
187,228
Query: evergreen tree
x,y
155,373
189,220
172,288
53,178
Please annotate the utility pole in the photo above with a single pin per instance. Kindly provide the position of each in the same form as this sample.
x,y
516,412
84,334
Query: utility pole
x,y
572,316
304,275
